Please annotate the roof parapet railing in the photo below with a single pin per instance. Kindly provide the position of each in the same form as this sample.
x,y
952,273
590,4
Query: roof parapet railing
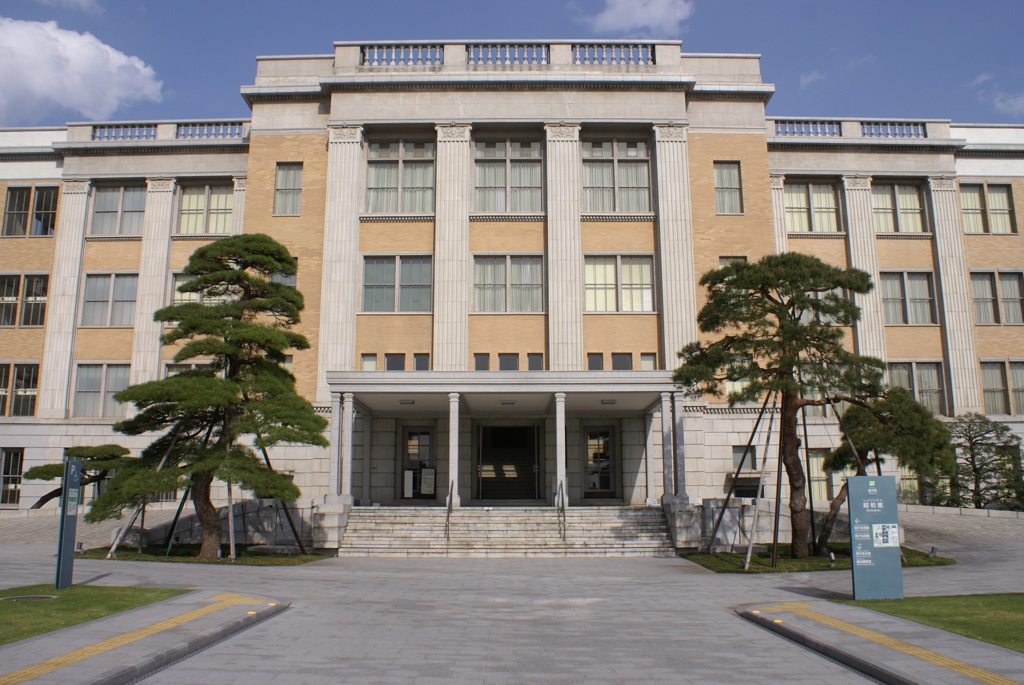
x,y
507,54
612,54
211,130
808,128
893,129
120,132
402,55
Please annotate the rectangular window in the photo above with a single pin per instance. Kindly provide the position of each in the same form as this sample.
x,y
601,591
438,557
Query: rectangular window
x,y
410,293
95,388
118,210
622,361
998,298
595,361
908,298
1011,295
481,361
109,300
993,385
508,361
19,385
1017,385
923,380
508,284
535,361
400,178
897,208
205,209
811,208
818,479
368,362
508,177
421,362
16,212
728,189
616,177
749,463
394,362
986,208
648,361
613,284
23,299
10,475
30,211
10,288
288,189
983,291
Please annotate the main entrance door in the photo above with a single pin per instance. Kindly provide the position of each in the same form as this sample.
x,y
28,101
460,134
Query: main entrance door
x,y
508,466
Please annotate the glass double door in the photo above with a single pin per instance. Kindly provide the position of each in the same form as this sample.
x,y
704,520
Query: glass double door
x,y
507,463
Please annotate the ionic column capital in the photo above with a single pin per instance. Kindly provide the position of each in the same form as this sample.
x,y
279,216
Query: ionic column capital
x,y
453,132
345,133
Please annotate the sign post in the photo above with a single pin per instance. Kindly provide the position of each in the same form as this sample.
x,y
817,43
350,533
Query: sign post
x,y
68,523
874,538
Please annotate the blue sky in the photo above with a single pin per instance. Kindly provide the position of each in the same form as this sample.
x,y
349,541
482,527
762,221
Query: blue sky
x,y
81,60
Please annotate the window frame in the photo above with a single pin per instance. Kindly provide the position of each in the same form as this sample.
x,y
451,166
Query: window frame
x,y
36,221
809,212
397,284
401,188
104,393
1001,308
908,319
619,157
984,211
917,369
726,192
621,288
12,395
988,392
12,468
108,315
286,195
896,210
205,213
20,303
483,293
509,162
121,213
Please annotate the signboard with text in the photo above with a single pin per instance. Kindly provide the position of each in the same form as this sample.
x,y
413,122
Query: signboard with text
x,y
68,523
874,538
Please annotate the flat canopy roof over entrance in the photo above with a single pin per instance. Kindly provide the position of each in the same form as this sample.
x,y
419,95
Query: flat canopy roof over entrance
x,y
491,392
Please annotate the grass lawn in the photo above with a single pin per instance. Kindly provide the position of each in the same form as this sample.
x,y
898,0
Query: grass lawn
x,y
761,562
79,603
189,554
998,619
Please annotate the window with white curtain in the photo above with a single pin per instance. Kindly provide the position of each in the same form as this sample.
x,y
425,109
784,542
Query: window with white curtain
x,y
409,292
508,177
908,298
508,283
993,386
95,387
206,208
983,292
1017,385
616,177
998,297
109,299
118,210
923,380
618,284
728,188
986,208
288,189
811,208
400,177
898,208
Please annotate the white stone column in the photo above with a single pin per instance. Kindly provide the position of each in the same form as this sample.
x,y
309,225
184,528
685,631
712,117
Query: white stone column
x,y
649,457
151,294
777,186
367,497
334,465
62,302
565,251
453,268
453,448
679,442
560,484
675,242
667,448
953,282
238,206
863,256
342,270
347,448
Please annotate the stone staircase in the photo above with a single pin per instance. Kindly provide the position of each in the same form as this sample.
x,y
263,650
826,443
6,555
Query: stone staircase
x,y
604,531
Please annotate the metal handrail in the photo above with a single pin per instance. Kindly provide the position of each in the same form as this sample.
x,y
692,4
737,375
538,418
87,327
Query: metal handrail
x,y
448,514
562,524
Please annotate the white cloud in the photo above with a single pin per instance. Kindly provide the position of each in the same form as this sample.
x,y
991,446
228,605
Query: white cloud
x,y
808,79
861,61
90,6
979,79
47,68
1009,104
663,17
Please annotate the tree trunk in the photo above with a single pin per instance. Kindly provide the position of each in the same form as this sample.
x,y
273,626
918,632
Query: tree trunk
x,y
789,448
209,519
836,506
57,492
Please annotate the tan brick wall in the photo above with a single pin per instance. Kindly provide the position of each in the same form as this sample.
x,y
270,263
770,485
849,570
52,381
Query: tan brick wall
x,y
905,254
382,334
395,237
505,333
507,236
180,252
112,256
26,254
617,236
302,235
21,343
830,251
104,343
607,333
994,251
913,342
999,341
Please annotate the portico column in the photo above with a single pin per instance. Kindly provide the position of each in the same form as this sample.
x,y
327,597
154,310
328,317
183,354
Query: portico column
x,y
864,256
777,186
367,498
347,451
680,444
667,448
561,496
238,206
453,448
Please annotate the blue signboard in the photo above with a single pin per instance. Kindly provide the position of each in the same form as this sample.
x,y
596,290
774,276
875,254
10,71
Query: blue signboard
x,y
68,523
874,538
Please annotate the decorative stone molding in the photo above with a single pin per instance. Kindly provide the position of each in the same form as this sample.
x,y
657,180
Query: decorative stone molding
x,y
454,132
833,236
159,185
776,181
857,181
904,236
394,218
346,134
507,217
942,183
618,217
562,132
76,187
113,238
240,182
669,132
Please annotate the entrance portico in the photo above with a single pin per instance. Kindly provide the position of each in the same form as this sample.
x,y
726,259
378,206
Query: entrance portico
x,y
550,437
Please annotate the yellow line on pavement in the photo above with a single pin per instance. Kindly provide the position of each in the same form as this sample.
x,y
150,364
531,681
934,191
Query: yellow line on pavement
x,y
928,655
221,601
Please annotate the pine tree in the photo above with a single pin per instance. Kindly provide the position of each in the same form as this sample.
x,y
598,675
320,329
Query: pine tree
x,y
781,325
239,398
98,462
988,465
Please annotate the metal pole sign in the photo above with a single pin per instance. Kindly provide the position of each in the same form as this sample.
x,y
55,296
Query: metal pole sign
x,y
68,523
874,538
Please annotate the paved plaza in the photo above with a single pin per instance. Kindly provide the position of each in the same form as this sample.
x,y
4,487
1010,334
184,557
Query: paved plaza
x,y
520,620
